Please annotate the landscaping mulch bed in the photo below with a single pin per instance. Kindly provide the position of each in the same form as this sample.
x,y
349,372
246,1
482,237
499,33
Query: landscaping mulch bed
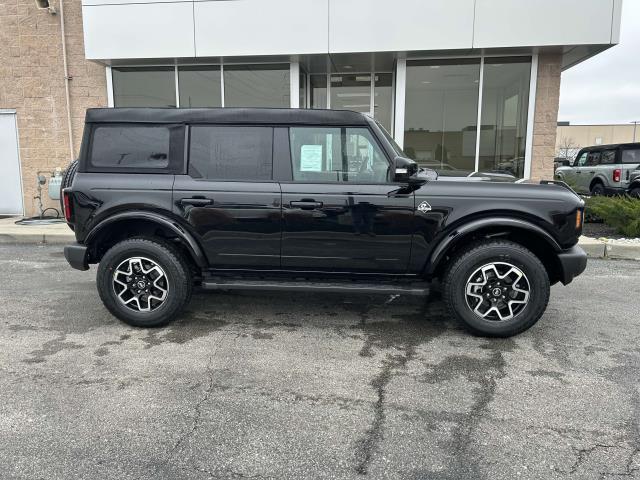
x,y
598,230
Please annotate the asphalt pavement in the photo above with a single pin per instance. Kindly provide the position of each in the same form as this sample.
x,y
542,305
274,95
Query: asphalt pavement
x,y
302,386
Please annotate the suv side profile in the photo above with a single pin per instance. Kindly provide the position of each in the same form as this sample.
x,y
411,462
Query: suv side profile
x,y
602,170
165,200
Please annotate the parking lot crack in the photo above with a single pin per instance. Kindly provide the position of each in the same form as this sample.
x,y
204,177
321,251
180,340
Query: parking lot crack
x,y
197,409
367,446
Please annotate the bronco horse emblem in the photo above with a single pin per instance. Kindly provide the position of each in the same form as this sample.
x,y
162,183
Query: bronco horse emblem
x,y
424,207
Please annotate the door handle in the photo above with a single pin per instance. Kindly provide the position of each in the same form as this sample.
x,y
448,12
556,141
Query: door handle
x,y
196,202
592,171
578,172
306,204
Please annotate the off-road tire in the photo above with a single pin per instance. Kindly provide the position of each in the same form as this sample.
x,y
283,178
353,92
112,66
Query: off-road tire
x,y
597,189
169,258
467,261
635,192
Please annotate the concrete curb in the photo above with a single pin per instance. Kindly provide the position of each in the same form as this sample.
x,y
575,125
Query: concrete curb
x,y
58,234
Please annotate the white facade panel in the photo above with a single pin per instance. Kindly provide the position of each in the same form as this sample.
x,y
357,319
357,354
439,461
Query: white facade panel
x,y
259,27
523,23
157,30
11,178
381,25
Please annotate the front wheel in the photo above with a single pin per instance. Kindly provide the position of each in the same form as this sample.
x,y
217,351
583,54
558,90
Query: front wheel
x,y
144,282
496,288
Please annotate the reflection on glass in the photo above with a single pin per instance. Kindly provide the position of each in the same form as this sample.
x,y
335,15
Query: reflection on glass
x,y
199,86
318,85
441,113
256,86
144,87
351,92
505,101
382,99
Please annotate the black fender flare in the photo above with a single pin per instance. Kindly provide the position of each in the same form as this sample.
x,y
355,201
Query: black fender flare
x,y
190,242
439,251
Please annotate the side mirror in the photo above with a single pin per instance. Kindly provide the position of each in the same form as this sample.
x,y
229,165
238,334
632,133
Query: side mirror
x,y
404,170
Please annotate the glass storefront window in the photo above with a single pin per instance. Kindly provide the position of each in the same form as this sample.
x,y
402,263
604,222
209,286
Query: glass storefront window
x,y
442,113
318,86
257,86
199,86
144,86
382,99
505,103
351,92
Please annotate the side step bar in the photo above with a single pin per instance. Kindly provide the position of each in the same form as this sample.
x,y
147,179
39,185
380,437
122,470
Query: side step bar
x,y
416,288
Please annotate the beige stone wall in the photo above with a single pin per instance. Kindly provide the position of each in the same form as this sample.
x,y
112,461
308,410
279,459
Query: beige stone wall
x,y
32,82
546,116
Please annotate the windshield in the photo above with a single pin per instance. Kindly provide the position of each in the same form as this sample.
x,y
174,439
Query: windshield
x,y
393,143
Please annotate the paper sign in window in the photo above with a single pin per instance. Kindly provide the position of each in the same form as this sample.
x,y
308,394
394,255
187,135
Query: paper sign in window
x,y
311,158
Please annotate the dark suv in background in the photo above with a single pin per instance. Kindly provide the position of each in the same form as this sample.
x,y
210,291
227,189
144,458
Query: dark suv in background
x,y
304,200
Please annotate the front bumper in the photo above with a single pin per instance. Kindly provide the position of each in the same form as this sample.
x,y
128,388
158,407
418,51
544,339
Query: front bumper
x,y
76,255
573,262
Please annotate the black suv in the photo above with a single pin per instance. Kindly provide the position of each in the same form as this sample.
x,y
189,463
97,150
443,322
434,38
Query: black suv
x,y
304,200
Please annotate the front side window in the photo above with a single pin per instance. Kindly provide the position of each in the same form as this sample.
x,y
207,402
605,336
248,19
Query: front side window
x,y
582,160
231,153
337,154
129,146
631,155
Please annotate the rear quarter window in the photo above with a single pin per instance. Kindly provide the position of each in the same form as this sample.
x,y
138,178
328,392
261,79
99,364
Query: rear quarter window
x,y
631,155
150,148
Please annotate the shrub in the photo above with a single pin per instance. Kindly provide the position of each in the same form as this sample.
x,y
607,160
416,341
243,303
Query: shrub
x,y
622,213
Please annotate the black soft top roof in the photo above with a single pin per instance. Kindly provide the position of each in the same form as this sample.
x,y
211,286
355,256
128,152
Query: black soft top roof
x,y
611,146
225,115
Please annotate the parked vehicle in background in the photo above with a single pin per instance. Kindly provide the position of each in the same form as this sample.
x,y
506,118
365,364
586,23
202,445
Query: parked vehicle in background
x,y
602,169
634,184
561,162
305,200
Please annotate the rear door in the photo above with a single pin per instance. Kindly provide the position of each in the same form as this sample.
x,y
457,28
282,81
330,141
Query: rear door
x,y
229,197
340,211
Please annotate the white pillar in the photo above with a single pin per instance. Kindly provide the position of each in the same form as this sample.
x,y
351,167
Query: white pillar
x,y
294,84
533,87
401,85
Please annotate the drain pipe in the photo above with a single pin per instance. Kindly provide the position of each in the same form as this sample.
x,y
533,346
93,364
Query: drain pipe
x,y
67,78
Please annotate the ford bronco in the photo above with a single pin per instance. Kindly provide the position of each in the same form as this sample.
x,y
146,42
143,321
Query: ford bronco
x,y
165,200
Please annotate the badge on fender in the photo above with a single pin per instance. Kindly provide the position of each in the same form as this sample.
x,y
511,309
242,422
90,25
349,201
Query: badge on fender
x,y
424,207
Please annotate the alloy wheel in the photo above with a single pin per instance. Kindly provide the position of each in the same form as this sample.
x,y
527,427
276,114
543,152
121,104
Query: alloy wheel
x,y
140,284
497,291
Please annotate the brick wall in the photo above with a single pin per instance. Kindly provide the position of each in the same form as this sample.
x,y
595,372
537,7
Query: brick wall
x,y
32,82
546,116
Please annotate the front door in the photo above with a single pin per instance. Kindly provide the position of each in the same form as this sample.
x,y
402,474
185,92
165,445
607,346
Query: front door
x,y
340,212
229,197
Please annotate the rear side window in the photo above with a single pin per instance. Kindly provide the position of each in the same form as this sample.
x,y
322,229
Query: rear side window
x,y
231,153
116,147
608,157
631,156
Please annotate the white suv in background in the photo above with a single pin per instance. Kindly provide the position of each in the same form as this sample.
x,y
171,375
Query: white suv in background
x,y
602,169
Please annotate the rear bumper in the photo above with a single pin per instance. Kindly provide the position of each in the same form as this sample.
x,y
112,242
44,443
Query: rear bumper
x,y
573,262
76,255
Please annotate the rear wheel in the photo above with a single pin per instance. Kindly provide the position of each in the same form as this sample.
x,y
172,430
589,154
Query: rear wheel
x,y
635,192
597,189
496,288
144,282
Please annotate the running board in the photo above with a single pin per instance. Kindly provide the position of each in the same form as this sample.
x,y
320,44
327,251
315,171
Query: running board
x,y
387,288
